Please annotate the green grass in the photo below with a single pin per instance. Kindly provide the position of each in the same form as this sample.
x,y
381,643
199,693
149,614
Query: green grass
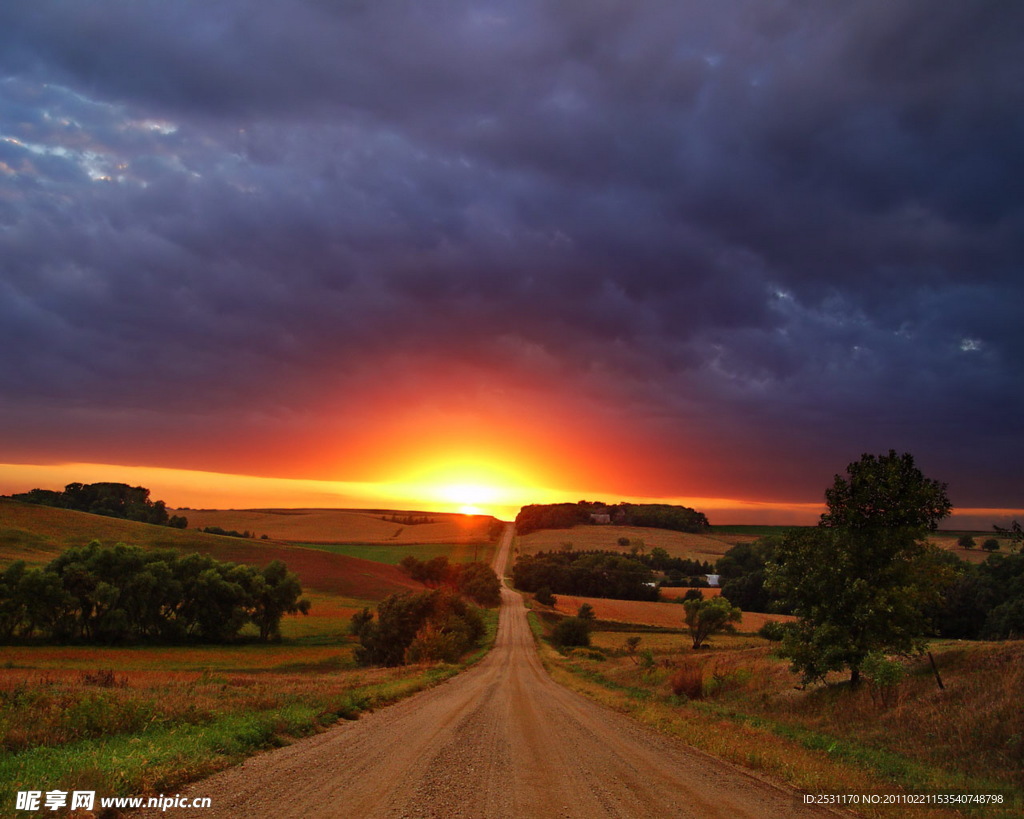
x,y
392,553
753,531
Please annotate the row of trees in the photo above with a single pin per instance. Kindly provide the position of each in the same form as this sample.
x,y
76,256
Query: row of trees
x,y
476,580
97,594
588,574
115,500
567,515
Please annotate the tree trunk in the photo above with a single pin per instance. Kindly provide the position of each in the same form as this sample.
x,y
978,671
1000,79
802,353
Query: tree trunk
x,y
855,676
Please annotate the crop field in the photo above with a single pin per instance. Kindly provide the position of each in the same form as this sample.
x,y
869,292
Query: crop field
x,y
678,592
342,526
643,612
392,553
37,534
708,547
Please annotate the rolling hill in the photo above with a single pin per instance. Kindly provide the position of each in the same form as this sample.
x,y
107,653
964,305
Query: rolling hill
x,y
37,534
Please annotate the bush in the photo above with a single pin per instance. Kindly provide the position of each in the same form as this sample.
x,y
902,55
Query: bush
x,y
571,631
772,630
417,627
688,681
545,597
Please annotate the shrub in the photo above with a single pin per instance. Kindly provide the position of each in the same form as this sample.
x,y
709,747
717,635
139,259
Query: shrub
x,y
772,630
884,676
688,681
571,631
417,627
544,596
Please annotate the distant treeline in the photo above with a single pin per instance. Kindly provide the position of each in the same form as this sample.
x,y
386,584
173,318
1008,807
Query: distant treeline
x,y
115,500
679,571
477,581
587,574
217,530
409,520
119,594
653,515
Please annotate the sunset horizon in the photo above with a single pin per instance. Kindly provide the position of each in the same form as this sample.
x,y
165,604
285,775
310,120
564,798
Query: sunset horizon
x,y
461,492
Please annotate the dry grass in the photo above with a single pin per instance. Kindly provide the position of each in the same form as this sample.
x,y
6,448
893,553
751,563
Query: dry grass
x,y
739,701
679,592
584,538
341,526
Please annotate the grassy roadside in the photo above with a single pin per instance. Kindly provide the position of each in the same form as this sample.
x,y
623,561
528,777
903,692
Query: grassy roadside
x,y
827,740
151,731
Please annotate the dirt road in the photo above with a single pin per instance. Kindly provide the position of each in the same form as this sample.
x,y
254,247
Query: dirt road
x,y
500,740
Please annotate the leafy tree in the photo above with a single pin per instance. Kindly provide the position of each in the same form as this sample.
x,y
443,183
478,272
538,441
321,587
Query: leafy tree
x,y
275,592
990,545
479,583
1005,621
886,492
544,596
427,626
586,612
965,542
864,581
707,617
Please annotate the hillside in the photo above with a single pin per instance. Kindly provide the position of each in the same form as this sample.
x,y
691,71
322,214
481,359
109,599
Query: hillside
x,y
37,534
605,537
342,525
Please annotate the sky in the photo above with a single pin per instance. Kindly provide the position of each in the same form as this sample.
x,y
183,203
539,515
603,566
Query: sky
x,y
664,250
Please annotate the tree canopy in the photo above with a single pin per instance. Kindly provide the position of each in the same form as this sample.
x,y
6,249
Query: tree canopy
x,y
886,492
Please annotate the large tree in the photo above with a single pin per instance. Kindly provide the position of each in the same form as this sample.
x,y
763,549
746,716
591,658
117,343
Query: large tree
x,y
884,493
865,580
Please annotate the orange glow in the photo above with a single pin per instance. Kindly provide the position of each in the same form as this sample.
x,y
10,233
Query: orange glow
x,y
463,486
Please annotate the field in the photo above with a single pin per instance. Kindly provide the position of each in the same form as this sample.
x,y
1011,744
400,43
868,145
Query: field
x,y
342,525
392,554
643,612
708,547
738,700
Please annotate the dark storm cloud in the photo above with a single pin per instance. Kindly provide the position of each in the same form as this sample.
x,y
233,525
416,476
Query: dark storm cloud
x,y
801,221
